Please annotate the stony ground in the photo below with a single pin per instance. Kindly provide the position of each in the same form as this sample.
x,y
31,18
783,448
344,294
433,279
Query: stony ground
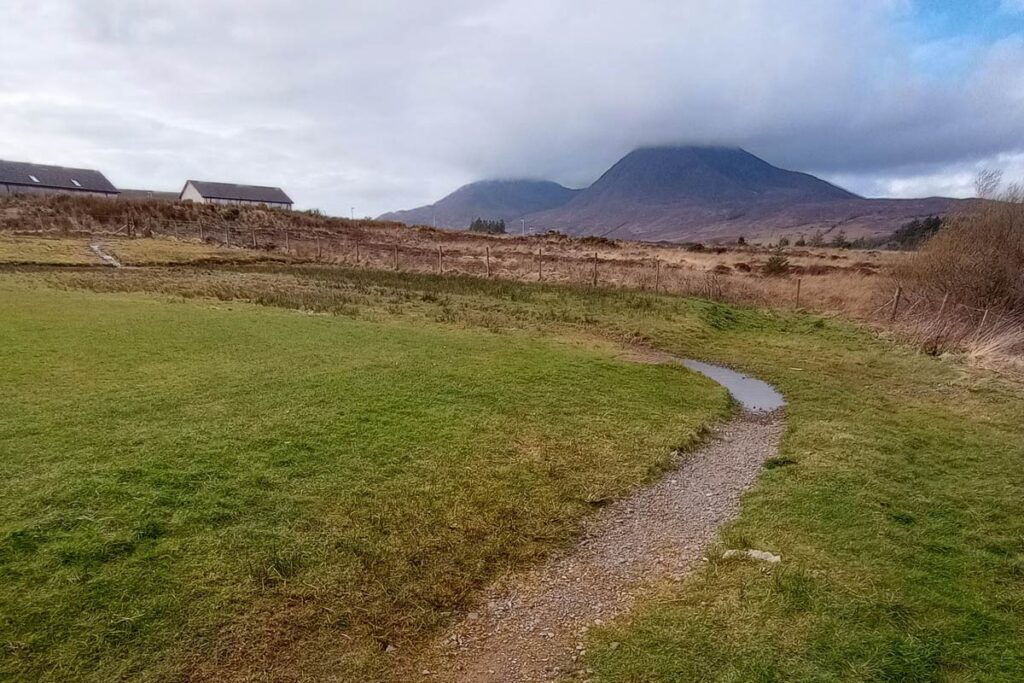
x,y
530,627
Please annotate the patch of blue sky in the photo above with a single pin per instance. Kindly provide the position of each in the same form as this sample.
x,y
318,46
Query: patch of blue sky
x,y
950,36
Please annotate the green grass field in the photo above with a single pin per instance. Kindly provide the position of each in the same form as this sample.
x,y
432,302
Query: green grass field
x,y
194,489
150,451
896,504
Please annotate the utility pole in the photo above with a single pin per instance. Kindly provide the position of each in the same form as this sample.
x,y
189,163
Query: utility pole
x,y
524,226
352,213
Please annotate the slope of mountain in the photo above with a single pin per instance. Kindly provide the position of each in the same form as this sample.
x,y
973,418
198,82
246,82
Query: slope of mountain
x,y
707,193
680,194
704,175
489,199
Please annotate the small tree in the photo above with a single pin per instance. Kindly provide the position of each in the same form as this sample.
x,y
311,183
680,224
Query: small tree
x,y
783,241
817,239
840,241
490,227
741,241
801,242
777,264
987,182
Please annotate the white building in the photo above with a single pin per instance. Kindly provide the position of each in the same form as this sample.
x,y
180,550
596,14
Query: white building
x,y
203,192
18,177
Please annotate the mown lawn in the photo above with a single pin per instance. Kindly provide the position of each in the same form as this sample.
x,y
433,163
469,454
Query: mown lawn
x,y
896,504
192,489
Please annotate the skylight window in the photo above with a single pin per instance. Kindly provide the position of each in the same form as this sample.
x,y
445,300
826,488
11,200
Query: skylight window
x,y
77,184
34,179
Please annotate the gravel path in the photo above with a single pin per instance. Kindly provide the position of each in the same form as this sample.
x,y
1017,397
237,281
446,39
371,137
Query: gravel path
x,y
530,626
107,258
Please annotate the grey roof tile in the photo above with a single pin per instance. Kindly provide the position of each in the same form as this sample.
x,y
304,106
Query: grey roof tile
x,y
246,193
54,177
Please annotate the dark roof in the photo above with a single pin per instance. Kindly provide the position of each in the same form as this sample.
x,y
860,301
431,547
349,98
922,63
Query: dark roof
x,y
245,193
54,177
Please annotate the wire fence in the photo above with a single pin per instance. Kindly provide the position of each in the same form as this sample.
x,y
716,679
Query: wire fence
x,y
522,261
514,259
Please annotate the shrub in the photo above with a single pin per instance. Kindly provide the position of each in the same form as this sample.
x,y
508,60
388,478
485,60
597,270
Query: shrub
x,y
976,259
913,234
777,264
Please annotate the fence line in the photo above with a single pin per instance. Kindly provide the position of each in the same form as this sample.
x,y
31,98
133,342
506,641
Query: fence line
x,y
513,261
581,268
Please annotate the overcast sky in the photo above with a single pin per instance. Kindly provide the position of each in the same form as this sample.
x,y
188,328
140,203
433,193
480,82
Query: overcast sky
x,y
387,104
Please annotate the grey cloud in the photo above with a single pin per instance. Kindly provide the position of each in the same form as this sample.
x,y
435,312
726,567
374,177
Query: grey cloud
x,y
388,104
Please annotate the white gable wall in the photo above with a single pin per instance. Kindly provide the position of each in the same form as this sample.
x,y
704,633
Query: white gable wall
x,y
191,194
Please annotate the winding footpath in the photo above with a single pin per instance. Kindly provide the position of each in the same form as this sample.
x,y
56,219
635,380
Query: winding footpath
x,y
107,258
531,626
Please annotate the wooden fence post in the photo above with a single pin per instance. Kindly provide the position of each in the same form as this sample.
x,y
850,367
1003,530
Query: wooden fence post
x,y
440,260
201,238
487,260
540,264
396,257
287,242
896,302
227,235
798,292
595,270
657,275
318,252
253,231
357,252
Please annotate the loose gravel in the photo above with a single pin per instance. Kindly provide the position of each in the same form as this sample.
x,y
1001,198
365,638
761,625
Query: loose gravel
x,y
531,626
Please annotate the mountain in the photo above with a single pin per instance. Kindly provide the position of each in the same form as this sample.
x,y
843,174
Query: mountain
x,y
683,193
727,176
708,193
489,199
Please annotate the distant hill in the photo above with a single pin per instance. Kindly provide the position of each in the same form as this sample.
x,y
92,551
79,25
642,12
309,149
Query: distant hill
x,y
489,199
685,193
